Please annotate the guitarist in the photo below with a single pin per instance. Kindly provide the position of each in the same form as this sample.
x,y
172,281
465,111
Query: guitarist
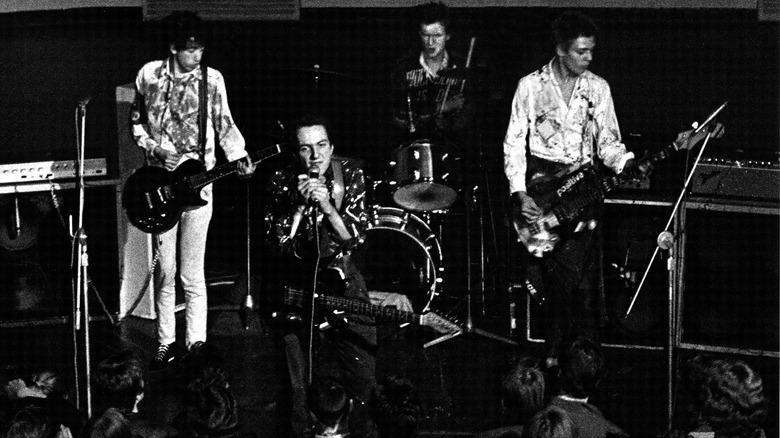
x,y
316,213
563,117
171,125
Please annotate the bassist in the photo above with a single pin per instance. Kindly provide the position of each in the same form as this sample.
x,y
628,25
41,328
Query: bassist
x,y
562,118
176,118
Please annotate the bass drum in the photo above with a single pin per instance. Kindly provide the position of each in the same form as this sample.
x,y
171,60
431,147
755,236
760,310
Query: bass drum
x,y
400,255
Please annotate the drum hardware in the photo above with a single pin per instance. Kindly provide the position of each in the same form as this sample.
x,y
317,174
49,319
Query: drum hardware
x,y
475,204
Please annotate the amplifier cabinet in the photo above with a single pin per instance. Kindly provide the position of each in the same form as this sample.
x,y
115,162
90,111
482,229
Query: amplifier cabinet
x,y
737,179
728,281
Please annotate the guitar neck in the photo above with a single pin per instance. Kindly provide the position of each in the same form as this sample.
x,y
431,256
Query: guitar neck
x,y
360,308
223,170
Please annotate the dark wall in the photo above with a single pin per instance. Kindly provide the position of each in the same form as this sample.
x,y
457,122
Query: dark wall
x,y
667,68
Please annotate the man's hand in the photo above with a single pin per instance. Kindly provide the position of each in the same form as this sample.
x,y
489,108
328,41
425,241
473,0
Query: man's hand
x,y
524,206
246,168
638,169
169,159
315,189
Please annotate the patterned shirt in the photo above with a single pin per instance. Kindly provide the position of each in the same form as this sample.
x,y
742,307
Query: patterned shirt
x,y
165,114
552,130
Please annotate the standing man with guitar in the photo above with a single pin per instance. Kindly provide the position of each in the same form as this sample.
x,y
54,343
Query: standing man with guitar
x,y
175,118
317,218
563,118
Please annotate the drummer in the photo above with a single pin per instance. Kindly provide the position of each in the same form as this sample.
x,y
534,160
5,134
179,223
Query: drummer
x,y
428,83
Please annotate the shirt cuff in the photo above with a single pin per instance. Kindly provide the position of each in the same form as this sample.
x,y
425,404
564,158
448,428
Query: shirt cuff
x,y
622,162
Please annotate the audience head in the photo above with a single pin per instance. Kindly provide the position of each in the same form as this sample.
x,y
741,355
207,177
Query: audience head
x,y
33,422
523,392
395,408
110,424
581,368
552,422
727,394
118,382
203,366
212,413
330,405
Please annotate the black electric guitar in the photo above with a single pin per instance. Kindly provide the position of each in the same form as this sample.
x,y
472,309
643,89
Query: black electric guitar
x,y
296,298
563,198
154,198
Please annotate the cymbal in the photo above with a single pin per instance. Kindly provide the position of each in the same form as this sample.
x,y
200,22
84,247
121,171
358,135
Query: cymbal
x,y
317,72
460,72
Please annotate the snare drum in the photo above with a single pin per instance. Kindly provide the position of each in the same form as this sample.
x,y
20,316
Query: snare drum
x,y
422,173
400,255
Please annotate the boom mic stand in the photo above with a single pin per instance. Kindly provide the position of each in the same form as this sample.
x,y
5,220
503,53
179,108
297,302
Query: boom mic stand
x,y
666,242
80,284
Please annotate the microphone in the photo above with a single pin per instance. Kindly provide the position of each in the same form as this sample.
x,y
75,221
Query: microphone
x,y
314,173
84,101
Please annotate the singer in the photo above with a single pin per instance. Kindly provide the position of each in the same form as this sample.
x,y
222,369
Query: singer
x,y
317,213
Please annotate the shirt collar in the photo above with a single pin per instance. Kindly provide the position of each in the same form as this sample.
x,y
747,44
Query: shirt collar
x,y
428,70
169,70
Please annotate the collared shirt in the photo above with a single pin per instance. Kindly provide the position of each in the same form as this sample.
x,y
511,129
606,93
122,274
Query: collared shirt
x,y
559,131
165,114
413,79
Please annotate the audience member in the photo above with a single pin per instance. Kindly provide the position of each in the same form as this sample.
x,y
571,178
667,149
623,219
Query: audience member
x,y
581,369
110,424
522,396
36,422
210,412
395,408
726,400
118,382
552,422
44,389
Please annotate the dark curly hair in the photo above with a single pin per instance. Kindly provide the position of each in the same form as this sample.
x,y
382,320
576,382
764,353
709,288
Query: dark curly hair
x,y
733,401
571,25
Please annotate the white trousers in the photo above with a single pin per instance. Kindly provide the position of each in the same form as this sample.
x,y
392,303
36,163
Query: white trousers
x,y
185,243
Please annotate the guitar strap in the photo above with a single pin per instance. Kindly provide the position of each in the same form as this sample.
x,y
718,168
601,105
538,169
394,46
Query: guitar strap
x,y
338,183
202,114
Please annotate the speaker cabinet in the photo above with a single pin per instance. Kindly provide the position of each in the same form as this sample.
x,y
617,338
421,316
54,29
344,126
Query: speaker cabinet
x,y
37,253
729,288
629,229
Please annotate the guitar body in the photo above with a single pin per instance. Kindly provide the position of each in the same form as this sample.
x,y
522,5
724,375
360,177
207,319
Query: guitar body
x,y
561,201
154,198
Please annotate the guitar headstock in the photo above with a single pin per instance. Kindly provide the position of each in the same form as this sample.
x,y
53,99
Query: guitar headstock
x,y
689,140
439,323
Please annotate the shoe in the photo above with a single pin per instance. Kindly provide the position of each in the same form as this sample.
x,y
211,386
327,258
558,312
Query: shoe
x,y
162,358
197,345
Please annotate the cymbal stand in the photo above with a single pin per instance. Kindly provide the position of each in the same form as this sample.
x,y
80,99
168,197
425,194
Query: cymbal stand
x,y
468,327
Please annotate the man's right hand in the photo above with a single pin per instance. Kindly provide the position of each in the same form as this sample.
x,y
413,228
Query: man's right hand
x,y
169,159
524,206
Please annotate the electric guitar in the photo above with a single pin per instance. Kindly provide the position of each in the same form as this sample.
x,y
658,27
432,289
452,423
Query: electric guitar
x,y
295,298
563,198
154,198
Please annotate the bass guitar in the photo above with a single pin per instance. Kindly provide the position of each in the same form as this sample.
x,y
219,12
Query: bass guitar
x,y
562,199
154,198
294,297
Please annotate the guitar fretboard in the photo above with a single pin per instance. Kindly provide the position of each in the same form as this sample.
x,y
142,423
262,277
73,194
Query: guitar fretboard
x,y
205,178
294,297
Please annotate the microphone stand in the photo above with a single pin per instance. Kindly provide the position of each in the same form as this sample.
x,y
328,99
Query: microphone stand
x,y
80,283
667,242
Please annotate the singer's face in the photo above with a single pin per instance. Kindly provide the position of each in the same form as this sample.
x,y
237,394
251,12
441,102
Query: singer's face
x,y
434,39
577,57
188,59
314,147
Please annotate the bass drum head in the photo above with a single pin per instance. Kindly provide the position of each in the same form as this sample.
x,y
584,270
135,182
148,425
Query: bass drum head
x,y
400,255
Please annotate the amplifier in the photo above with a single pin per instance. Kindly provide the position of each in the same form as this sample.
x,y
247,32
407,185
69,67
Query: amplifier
x,y
49,170
737,179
